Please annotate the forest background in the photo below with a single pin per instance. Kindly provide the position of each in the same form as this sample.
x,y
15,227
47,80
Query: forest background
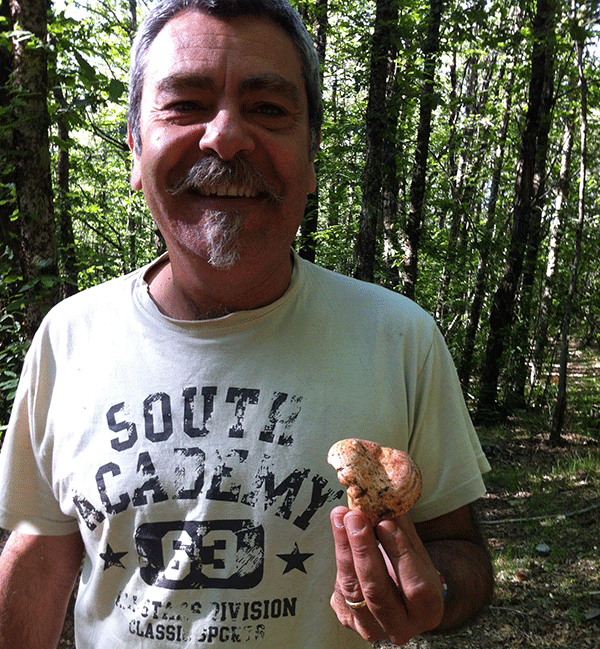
x,y
458,166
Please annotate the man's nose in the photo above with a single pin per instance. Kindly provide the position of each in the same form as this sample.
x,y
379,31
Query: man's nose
x,y
226,135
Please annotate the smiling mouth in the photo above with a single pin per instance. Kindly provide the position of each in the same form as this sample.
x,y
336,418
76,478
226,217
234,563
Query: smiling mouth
x,y
226,191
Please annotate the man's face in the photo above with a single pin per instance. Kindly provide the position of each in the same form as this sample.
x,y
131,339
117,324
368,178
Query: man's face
x,y
224,93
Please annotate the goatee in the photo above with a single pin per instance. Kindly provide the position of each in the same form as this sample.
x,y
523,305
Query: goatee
x,y
222,236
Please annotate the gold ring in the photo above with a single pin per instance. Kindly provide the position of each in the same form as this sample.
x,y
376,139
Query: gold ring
x,y
355,605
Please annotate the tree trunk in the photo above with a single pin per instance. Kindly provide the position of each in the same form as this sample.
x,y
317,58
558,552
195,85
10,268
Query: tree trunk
x,y
8,229
485,244
133,221
556,232
561,399
419,171
68,258
377,128
522,347
390,182
308,230
38,251
502,309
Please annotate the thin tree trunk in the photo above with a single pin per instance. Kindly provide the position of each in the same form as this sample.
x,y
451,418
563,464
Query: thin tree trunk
x,y
522,347
501,314
390,191
132,218
308,230
485,244
377,128
417,187
556,231
8,230
38,251
68,258
558,415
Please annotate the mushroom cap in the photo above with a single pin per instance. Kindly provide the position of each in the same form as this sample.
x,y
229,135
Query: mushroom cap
x,y
383,483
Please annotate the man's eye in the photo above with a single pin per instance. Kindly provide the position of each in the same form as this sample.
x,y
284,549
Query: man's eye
x,y
271,110
186,106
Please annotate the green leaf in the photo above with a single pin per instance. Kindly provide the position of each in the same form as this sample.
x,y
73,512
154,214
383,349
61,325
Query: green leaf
x,y
116,89
87,71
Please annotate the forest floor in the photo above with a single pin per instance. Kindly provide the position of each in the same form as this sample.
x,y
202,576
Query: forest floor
x,y
541,516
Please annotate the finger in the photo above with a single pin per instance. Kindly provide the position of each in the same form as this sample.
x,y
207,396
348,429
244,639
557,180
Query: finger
x,y
347,585
417,577
379,590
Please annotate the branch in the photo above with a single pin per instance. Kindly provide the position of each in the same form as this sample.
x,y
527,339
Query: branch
x,y
541,518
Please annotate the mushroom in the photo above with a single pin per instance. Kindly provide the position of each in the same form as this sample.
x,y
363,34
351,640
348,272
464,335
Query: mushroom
x,y
382,483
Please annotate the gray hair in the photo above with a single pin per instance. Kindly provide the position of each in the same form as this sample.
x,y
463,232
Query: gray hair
x,y
278,11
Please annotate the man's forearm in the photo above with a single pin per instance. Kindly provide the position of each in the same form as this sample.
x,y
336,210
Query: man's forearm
x,y
36,580
466,568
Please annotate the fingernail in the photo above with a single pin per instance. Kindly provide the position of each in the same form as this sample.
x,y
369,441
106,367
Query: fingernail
x,y
354,522
338,519
386,529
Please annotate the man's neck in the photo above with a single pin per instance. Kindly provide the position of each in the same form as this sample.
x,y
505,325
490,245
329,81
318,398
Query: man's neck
x,y
188,294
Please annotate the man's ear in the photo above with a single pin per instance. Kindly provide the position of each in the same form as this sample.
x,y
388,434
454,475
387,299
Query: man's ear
x,y
136,174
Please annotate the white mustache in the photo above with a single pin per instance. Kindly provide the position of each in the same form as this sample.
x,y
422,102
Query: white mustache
x,y
211,176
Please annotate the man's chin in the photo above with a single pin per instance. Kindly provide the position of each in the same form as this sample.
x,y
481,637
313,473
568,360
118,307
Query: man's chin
x,y
222,233
224,261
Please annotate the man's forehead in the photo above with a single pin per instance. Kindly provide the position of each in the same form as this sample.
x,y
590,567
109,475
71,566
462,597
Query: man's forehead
x,y
192,36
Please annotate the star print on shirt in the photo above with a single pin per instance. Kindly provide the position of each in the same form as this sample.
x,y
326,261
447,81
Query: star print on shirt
x,y
112,558
295,560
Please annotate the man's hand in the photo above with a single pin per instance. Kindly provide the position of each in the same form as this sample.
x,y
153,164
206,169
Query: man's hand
x,y
402,588
394,570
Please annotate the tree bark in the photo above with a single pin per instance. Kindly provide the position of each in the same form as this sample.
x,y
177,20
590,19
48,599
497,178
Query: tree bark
x,y
502,309
38,250
8,229
419,171
522,352
68,258
377,127
485,244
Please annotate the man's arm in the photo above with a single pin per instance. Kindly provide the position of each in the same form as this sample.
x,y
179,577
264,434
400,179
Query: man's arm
x,y
460,554
37,576
402,586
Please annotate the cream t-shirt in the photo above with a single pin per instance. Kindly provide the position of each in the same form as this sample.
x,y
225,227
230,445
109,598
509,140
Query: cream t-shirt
x,y
192,455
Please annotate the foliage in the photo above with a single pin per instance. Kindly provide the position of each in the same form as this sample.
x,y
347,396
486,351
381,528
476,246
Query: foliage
x,y
481,84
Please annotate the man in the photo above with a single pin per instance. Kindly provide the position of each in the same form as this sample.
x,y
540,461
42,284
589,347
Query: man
x,y
171,427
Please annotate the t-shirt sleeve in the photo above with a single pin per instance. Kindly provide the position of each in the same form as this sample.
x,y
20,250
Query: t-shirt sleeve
x,y
28,503
443,441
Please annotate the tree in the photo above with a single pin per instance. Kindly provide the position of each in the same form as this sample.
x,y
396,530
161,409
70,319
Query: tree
x,y
38,249
557,227
484,247
310,223
561,398
417,186
502,310
378,127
